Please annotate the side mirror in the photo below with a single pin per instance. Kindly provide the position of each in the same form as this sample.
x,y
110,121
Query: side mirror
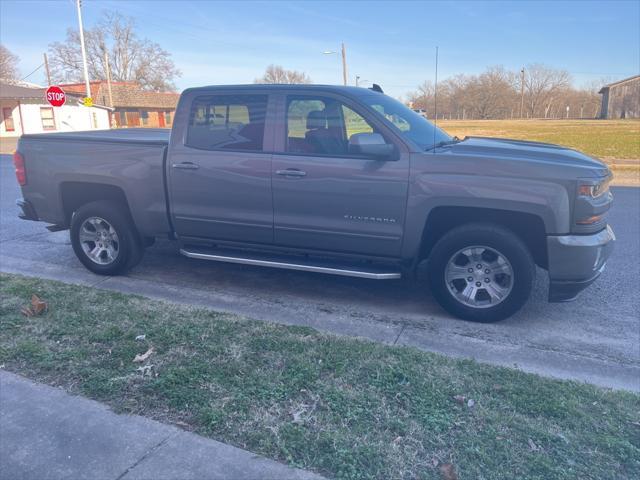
x,y
371,145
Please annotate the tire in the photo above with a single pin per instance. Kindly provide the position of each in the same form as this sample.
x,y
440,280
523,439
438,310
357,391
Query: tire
x,y
105,239
481,272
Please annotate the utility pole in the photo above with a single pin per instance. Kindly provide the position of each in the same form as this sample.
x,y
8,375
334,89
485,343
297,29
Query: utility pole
x,y
108,75
46,69
344,64
521,92
84,51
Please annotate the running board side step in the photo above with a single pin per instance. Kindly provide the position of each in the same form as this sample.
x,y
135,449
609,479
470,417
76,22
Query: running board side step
x,y
282,262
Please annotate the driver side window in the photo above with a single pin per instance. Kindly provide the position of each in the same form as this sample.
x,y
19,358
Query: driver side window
x,y
354,122
322,126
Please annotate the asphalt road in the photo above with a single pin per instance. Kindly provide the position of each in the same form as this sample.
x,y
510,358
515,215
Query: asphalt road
x,y
595,339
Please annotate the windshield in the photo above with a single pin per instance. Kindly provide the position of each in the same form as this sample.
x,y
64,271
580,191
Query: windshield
x,y
411,125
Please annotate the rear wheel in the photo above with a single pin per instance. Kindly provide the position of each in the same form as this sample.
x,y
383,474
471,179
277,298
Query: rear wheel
x,y
104,238
481,272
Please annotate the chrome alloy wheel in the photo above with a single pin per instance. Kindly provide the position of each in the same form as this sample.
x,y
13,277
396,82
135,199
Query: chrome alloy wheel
x,y
99,240
479,276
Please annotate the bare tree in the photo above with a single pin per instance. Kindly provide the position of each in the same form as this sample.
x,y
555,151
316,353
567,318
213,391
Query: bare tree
x,y
131,58
495,93
8,64
491,93
543,85
423,97
277,74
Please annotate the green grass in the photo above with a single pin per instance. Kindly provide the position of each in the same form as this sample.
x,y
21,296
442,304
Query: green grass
x,y
339,406
605,139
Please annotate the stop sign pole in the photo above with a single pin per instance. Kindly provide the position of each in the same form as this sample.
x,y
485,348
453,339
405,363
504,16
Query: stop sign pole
x,y
55,96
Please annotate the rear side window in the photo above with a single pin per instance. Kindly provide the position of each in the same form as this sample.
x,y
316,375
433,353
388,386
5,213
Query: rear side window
x,y
227,122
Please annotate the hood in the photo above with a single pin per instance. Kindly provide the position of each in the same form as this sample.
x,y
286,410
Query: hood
x,y
522,150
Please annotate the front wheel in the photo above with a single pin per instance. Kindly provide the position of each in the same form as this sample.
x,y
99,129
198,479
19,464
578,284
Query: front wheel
x,y
481,272
104,238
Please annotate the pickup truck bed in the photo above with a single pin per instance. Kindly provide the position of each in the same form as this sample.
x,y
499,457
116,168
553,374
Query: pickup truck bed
x,y
145,136
127,162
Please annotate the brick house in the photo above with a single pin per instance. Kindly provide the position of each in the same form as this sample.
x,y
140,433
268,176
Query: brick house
x,y
133,106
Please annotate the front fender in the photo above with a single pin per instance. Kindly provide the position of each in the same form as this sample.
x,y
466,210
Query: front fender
x,y
427,191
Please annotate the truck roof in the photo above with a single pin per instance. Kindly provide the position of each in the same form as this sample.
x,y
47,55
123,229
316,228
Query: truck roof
x,y
349,90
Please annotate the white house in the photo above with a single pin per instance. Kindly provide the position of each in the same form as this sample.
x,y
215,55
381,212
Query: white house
x,y
25,110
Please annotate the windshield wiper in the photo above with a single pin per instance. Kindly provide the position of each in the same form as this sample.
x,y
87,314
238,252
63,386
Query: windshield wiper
x,y
443,143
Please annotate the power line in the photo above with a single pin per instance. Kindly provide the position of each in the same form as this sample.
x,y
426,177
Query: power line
x,y
41,65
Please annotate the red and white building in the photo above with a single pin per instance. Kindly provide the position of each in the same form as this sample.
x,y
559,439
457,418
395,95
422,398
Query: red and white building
x,y
25,110
132,105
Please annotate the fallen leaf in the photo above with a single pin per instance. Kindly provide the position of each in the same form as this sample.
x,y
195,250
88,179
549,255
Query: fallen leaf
x,y
533,446
434,462
297,417
397,440
38,305
448,472
140,338
460,399
145,370
142,357
471,403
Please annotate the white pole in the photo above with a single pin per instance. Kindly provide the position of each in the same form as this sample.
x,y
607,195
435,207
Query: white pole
x,y
344,65
84,52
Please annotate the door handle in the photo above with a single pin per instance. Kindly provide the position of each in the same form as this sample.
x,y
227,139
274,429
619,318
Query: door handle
x,y
291,172
186,166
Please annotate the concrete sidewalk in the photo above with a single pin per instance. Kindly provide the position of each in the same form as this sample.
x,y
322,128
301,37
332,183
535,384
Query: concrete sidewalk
x,y
46,433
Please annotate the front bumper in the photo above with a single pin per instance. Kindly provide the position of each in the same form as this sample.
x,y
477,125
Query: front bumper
x,y
576,261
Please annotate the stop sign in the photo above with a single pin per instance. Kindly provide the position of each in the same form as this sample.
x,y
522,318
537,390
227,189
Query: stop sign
x,y
55,96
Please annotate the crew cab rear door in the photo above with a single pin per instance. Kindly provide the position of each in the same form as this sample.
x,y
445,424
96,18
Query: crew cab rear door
x,y
219,168
325,198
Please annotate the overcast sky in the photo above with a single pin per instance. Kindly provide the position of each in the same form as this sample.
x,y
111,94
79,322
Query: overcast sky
x,y
390,43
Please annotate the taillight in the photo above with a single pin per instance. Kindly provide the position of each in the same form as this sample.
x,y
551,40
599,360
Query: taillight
x,y
21,172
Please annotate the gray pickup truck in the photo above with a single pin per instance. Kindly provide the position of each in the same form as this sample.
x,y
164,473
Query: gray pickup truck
x,y
337,180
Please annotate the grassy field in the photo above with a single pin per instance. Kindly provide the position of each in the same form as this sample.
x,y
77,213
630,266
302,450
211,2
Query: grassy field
x,y
606,139
340,406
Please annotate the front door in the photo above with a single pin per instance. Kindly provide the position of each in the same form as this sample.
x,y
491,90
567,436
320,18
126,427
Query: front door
x,y
328,199
219,175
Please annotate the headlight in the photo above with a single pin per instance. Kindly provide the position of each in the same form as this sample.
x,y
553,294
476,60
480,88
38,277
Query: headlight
x,y
594,190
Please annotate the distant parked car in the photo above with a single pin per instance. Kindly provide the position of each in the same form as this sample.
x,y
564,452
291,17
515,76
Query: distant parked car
x,y
421,111
338,180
